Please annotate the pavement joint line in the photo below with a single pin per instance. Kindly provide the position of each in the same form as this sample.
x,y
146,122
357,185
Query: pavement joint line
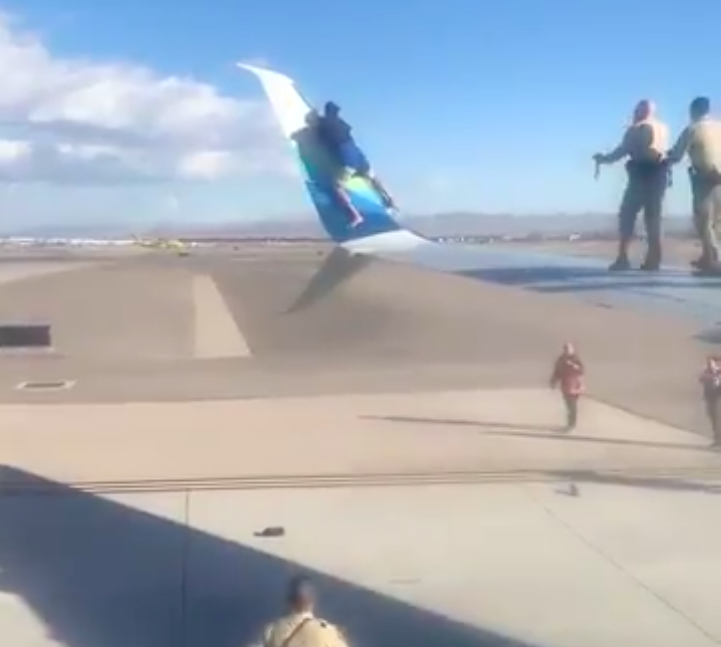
x,y
618,566
362,480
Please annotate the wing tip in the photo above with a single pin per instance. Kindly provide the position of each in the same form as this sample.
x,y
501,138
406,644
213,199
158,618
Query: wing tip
x,y
249,68
263,72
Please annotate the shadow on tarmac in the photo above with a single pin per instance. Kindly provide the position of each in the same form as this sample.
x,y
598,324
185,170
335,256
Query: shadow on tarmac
x,y
536,432
99,573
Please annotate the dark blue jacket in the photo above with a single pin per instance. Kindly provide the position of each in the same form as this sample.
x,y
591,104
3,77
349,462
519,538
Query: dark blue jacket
x,y
335,131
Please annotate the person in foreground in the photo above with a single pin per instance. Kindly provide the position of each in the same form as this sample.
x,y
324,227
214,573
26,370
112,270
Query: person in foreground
x,y
299,627
710,380
568,372
644,143
701,140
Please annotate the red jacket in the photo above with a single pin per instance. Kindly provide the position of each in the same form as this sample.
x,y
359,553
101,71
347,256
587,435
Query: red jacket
x,y
568,374
711,382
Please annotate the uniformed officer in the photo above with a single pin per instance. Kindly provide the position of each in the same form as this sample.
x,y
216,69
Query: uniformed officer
x,y
300,627
644,144
701,140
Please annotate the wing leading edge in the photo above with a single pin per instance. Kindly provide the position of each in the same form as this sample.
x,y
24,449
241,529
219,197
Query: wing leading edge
x,y
380,235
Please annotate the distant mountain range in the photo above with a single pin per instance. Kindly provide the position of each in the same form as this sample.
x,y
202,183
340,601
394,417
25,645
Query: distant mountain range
x,y
454,224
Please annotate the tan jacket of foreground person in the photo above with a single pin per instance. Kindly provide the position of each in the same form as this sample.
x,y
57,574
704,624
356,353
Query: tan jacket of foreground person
x,y
300,627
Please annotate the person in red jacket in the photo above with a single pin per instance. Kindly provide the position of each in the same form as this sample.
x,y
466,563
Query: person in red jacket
x,y
568,372
710,380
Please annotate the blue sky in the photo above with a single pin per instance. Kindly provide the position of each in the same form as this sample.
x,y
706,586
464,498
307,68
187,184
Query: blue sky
x,y
494,106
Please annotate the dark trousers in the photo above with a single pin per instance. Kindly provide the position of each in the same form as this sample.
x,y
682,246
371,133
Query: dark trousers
x,y
571,403
645,192
713,411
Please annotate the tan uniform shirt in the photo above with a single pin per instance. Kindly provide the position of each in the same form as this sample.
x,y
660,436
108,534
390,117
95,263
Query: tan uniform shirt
x,y
644,141
302,630
701,140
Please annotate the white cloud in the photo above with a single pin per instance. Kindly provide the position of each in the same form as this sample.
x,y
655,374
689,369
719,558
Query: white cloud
x,y
206,165
12,152
84,122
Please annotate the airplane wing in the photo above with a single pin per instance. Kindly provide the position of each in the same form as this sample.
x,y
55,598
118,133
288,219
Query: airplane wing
x,y
670,291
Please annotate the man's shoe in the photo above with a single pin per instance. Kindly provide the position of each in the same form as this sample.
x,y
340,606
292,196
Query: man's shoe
x,y
620,265
709,269
703,263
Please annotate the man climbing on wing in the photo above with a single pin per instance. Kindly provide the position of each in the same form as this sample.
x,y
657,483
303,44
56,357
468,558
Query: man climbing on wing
x,y
336,132
317,146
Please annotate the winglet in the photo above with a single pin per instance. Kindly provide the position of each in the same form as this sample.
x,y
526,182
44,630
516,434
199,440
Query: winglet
x,y
324,175
261,72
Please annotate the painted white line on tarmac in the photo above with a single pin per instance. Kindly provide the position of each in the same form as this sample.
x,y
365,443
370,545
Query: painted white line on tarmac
x,y
216,333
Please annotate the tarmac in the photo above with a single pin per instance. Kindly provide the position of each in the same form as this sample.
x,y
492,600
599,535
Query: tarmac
x,y
400,430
